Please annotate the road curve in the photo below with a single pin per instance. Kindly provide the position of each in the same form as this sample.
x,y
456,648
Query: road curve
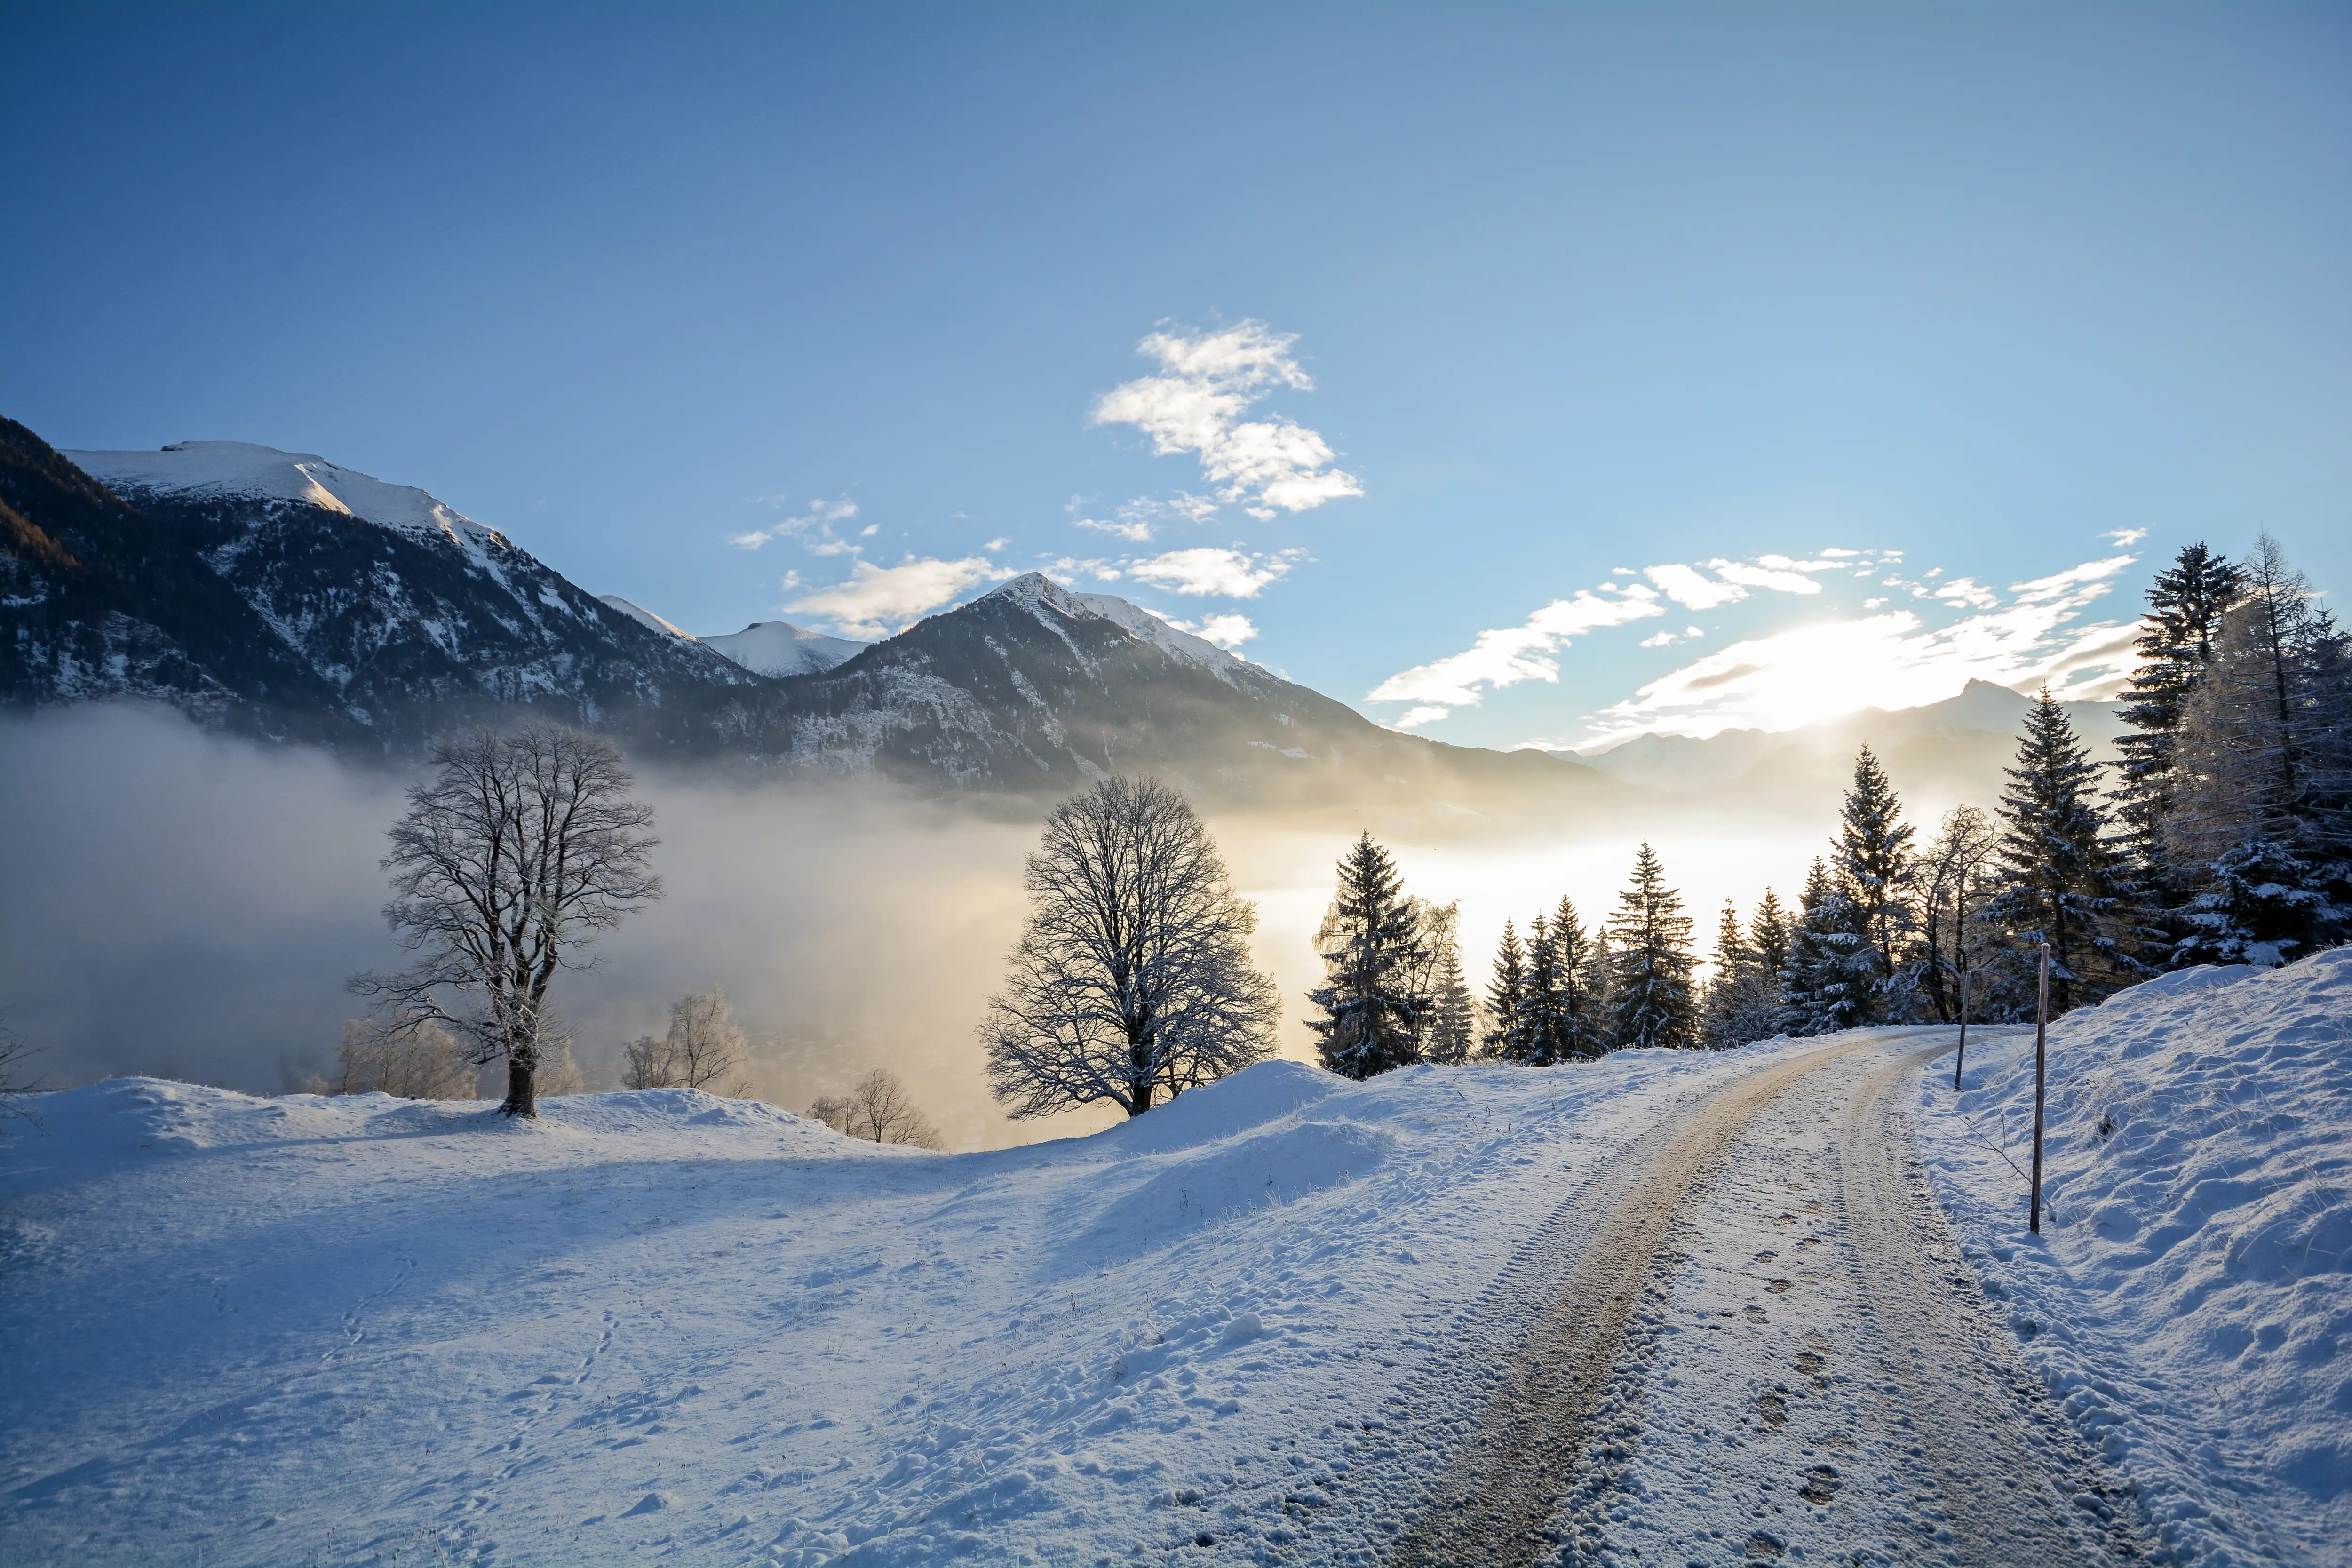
x,y
2000,1476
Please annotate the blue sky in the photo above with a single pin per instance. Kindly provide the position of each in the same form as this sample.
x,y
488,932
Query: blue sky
x,y
1553,373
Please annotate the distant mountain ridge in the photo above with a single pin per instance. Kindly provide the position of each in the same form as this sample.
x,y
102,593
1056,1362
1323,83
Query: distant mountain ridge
x,y
280,594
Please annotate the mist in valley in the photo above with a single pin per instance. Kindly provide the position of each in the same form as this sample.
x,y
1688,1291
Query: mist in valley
x,y
188,905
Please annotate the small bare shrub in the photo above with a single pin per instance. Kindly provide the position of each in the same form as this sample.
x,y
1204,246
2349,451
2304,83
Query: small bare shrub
x,y
878,1109
704,1049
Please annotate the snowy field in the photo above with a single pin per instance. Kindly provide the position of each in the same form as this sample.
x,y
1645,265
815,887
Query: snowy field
x,y
310,1331
2189,1300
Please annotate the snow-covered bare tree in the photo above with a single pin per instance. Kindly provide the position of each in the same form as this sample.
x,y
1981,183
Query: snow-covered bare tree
x,y
1951,878
1450,1028
2061,879
1371,951
878,1109
1132,979
421,1063
2259,828
703,1048
522,850
1655,1005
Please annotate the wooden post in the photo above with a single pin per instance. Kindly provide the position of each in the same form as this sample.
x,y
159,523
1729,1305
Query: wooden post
x,y
2040,1078
1960,1060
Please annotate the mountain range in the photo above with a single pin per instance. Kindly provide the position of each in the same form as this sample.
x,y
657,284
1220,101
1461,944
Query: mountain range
x,y
278,594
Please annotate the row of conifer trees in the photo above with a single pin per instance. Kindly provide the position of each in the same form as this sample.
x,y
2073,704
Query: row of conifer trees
x,y
2224,835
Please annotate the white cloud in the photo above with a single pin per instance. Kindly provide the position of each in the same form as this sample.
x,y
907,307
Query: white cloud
x,y
1511,655
1208,382
1685,587
1206,570
1776,572
2126,535
821,517
1663,639
1889,660
1416,717
879,600
1228,632
1965,592
1134,520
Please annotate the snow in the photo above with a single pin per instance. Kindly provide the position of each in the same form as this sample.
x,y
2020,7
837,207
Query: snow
x,y
361,1330
645,617
243,468
1036,593
780,648
2188,1302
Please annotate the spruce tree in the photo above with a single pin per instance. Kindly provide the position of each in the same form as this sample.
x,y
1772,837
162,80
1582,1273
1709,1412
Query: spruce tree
x,y
1654,1007
2260,826
1506,1000
1583,1026
1826,981
1872,863
2176,646
1450,1028
1543,996
1741,998
1600,988
1767,935
1371,951
2061,878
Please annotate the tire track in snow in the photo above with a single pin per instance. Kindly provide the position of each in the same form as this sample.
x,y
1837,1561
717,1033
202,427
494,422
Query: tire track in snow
x,y
1498,1490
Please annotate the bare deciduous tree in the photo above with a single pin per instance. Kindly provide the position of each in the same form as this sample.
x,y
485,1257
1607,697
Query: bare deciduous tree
x,y
421,1063
878,1109
15,1084
521,852
1951,878
1132,979
704,1049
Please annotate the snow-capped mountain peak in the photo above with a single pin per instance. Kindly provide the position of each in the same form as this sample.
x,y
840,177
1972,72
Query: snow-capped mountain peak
x,y
780,648
645,617
242,469
1037,592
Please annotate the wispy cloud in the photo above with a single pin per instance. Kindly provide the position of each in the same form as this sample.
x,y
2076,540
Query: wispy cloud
x,y
1414,717
1228,632
1134,521
1198,402
2126,535
817,523
1889,660
1235,574
879,600
1508,655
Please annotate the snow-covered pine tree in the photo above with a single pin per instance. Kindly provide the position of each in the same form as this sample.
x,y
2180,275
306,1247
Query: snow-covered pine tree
x,y
2260,826
1741,998
2061,877
1768,933
1506,999
1372,1014
1585,1025
1872,859
1450,1028
2175,646
1543,996
1601,986
1826,980
1654,1005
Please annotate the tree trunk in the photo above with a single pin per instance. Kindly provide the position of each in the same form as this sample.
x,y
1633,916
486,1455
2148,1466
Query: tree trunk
x,y
1142,1101
520,1099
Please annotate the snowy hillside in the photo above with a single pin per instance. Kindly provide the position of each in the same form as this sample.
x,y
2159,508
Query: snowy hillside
x,y
243,471
780,648
2189,1300
306,1330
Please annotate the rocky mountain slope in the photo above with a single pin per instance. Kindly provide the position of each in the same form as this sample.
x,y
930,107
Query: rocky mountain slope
x,y
276,594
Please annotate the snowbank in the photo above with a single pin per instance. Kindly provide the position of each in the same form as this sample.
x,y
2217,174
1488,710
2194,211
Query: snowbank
x,y
363,1330
2189,1300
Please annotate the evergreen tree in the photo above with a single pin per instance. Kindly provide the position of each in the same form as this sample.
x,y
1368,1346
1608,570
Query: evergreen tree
x,y
1653,1002
1583,1024
1873,864
2260,825
1742,998
1825,986
1600,988
2176,646
1506,1004
1371,949
1543,996
2060,879
1767,935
